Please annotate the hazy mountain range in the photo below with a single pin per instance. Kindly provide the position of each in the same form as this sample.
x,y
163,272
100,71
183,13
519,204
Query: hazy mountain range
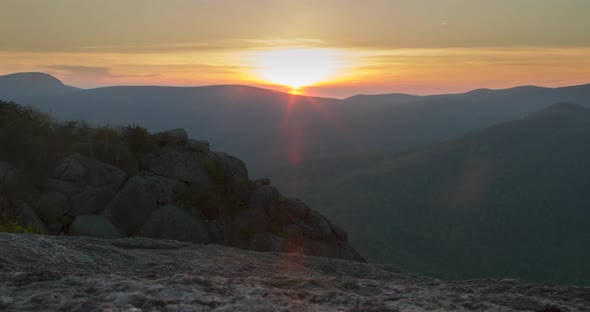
x,y
269,129
484,183
508,200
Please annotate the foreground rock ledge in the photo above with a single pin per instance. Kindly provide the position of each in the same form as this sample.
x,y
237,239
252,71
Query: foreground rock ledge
x,y
43,273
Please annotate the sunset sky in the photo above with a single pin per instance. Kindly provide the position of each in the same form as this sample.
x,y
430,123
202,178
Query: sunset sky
x,y
334,48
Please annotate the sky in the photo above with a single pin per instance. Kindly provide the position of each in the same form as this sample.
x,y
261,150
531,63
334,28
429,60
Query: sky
x,y
333,48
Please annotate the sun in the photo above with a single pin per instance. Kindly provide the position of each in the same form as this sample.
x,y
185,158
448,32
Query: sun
x,y
297,68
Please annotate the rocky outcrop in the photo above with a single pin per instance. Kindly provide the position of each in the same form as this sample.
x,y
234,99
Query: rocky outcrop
x,y
183,191
57,273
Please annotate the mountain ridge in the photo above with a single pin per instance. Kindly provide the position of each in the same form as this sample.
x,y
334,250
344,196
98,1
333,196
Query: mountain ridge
x,y
270,129
498,201
356,96
32,84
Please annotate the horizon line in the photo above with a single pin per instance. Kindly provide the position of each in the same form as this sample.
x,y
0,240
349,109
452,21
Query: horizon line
x,y
269,89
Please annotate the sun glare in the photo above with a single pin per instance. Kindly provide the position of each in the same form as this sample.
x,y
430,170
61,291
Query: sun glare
x,y
298,68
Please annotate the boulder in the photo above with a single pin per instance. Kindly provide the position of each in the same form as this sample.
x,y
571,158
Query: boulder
x,y
138,198
170,222
28,218
250,222
6,172
263,181
92,200
232,167
80,169
297,209
349,253
216,232
51,206
94,226
171,137
340,233
265,198
106,175
185,166
197,146
266,242
88,184
315,226
322,248
293,232
69,189
282,215
71,169
331,248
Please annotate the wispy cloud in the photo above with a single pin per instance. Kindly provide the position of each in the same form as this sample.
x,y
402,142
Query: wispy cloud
x,y
88,76
93,72
230,44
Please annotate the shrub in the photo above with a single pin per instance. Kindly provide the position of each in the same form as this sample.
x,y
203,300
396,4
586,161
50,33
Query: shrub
x,y
9,220
138,139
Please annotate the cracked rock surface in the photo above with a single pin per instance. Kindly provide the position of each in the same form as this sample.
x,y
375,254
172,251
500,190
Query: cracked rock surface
x,y
57,273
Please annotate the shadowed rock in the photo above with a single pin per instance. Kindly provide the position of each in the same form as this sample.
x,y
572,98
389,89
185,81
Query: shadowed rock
x,y
95,226
171,137
171,222
138,198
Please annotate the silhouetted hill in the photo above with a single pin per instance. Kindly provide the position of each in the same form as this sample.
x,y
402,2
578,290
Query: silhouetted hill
x,y
31,84
510,200
272,129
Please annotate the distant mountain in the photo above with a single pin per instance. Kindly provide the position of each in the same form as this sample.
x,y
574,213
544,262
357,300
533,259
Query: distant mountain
x,y
508,200
31,84
272,129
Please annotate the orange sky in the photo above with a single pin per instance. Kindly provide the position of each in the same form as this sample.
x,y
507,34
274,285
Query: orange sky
x,y
341,48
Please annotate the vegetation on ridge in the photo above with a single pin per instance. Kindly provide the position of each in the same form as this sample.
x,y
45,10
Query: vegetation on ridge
x,y
33,142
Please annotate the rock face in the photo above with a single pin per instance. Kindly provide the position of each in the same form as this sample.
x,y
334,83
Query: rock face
x,y
183,191
56,273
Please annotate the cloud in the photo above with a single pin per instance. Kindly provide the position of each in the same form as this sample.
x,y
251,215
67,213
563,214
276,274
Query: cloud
x,y
92,72
88,76
230,44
